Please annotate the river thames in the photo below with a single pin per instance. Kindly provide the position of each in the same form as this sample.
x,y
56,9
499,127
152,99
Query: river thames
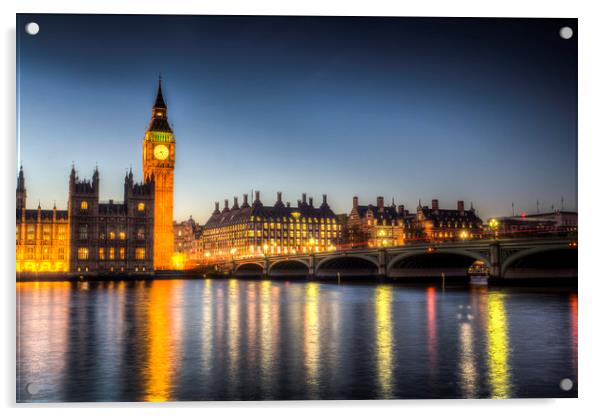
x,y
168,340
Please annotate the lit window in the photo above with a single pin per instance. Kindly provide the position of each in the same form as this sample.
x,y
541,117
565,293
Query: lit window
x,y
141,206
82,253
84,205
122,253
122,235
101,253
112,253
111,235
140,252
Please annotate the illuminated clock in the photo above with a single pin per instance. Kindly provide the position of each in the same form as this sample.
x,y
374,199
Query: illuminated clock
x,y
161,152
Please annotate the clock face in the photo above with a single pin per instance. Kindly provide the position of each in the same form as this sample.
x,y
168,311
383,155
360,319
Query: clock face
x,y
161,152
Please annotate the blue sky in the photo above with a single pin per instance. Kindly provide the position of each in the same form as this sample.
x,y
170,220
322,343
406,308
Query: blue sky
x,y
483,110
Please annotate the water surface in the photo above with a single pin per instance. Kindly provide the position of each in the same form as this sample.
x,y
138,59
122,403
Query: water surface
x,y
170,340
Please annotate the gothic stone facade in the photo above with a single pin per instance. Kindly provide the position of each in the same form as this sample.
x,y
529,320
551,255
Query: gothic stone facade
x,y
107,237
42,236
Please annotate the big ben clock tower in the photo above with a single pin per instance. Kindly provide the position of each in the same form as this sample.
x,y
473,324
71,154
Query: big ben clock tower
x,y
158,160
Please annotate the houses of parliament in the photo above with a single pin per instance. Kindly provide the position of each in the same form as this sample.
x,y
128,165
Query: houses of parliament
x,y
97,238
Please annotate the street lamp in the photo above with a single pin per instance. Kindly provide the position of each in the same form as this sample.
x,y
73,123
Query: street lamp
x,y
494,225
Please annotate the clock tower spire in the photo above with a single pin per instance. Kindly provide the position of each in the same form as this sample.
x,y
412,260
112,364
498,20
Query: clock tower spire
x,y
158,161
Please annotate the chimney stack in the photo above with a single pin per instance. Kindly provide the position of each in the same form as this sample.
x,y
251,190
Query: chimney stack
x,y
461,207
380,203
235,205
311,201
401,209
257,196
435,205
279,196
324,199
226,208
216,211
245,200
304,198
355,202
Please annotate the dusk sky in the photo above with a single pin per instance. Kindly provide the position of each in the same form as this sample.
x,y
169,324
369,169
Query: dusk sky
x,y
483,110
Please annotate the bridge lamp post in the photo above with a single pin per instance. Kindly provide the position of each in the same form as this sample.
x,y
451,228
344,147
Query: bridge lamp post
x,y
494,225
463,235
312,243
265,249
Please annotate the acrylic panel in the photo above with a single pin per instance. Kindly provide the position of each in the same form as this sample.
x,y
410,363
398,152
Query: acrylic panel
x,y
295,208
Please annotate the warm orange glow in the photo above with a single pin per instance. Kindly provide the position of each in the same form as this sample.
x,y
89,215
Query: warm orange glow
x,y
178,261
162,341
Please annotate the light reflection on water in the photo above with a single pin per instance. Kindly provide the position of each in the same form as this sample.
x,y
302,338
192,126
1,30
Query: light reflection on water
x,y
235,340
384,340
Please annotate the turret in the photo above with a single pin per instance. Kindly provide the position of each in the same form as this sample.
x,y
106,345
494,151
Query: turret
x,y
159,122
21,191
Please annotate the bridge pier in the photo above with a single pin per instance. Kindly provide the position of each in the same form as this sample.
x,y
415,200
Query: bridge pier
x,y
495,256
311,274
266,268
382,264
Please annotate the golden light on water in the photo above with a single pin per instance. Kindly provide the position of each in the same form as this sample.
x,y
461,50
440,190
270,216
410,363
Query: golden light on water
x,y
384,339
311,337
497,347
163,339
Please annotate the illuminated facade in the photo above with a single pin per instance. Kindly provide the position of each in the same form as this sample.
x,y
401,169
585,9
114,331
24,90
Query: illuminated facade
x,y
435,224
158,160
376,225
108,237
381,226
257,230
103,238
42,236
184,242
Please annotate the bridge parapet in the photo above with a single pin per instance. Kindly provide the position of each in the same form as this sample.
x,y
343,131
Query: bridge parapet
x,y
497,255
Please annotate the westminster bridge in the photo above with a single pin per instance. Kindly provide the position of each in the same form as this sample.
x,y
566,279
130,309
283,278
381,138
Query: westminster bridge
x,y
503,258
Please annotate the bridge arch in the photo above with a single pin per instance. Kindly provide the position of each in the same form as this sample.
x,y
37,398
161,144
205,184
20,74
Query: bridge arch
x,y
289,267
452,262
561,259
249,269
347,265
458,252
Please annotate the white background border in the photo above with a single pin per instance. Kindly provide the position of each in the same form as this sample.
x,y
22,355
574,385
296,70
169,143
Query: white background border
x,y
590,191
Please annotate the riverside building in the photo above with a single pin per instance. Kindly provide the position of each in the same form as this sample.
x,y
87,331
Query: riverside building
x,y
251,230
